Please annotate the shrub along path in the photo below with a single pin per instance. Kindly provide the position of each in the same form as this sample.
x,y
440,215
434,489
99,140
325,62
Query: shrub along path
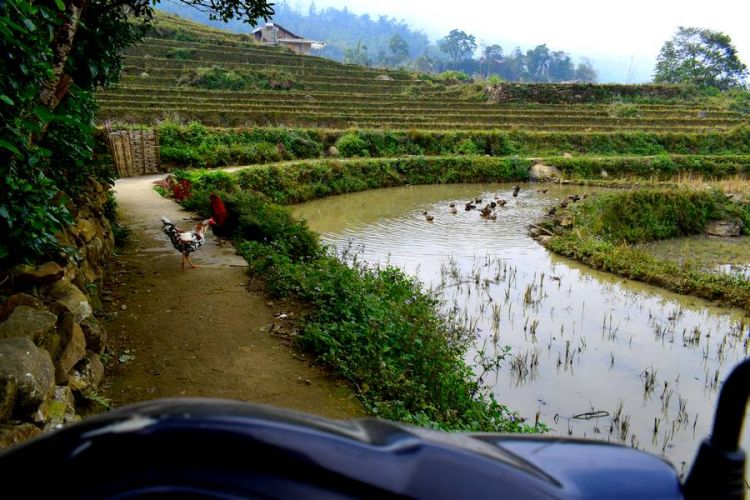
x,y
200,332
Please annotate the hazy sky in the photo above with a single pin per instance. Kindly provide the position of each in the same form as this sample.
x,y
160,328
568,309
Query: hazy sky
x,y
626,30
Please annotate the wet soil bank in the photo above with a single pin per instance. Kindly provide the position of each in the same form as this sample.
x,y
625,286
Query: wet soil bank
x,y
200,332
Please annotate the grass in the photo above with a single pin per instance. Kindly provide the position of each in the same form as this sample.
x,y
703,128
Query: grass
x,y
374,327
606,227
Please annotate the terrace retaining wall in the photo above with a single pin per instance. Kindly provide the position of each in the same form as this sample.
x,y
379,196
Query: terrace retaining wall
x,y
50,340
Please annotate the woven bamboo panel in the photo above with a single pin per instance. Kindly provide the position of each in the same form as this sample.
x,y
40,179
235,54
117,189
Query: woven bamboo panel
x,y
135,152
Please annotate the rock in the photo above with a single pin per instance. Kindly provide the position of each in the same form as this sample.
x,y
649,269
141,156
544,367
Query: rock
x,y
25,321
87,229
60,409
11,435
95,335
73,348
27,377
540,172
18,299
534,232
731,227
43,274
603,174
88,373
69,298
544,239
567,155
566,221
85,276
332,151
94,250
384,78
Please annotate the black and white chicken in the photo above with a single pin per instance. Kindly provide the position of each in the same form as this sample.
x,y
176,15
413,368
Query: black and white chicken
x,y
186,242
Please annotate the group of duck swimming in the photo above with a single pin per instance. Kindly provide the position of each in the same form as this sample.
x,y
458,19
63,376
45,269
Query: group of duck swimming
x,y
487,212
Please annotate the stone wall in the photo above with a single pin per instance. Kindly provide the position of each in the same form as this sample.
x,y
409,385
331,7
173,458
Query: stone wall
x,y
50,339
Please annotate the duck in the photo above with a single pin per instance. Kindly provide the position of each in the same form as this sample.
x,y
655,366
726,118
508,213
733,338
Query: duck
x,y
478,200
452,205
453,210
486,211
501,202
470,206
429,218
543,191
492,216
493,204
574,197
516,189
552,211
564,204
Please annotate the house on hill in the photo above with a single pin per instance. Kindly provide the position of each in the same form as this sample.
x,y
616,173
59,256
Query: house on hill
x,y
275,34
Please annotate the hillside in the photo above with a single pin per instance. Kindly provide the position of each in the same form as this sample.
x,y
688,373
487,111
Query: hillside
x,y
186,71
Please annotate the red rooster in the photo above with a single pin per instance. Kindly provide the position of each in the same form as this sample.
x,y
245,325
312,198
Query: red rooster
x,y
219,214
186,242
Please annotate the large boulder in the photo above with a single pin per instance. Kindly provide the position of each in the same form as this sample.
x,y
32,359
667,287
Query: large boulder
x,y
95,334
27,378
88,373
26,321
731,227
27,276
18,299
11,434
87,229
69,298
332,151
73,348
94,250
541,172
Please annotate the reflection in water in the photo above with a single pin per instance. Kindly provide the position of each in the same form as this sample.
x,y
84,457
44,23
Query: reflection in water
x,y
635,364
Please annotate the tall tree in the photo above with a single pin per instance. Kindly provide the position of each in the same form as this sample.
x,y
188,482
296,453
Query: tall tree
x,y
357,55
458,45
491,57
399,49
702,57
538,63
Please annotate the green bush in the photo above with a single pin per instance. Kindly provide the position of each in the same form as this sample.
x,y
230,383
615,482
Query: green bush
x,y
351,144
217,78
653,214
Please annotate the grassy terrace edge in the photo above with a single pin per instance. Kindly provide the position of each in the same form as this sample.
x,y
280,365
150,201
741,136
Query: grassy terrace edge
x,y
195,145
375,327
602,232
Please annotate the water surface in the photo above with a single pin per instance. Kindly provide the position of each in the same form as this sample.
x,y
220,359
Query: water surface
x,y
591,354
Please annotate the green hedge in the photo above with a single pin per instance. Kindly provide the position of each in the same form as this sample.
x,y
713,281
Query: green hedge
x,y
301,181
195,145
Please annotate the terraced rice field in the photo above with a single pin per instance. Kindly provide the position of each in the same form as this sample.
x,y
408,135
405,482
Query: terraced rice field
x,y
329,94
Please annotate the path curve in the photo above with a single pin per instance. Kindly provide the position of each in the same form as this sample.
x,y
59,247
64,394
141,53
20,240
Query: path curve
x,y
199,332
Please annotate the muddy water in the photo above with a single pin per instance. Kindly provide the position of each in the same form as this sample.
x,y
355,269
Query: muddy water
x,y
727,255
644,363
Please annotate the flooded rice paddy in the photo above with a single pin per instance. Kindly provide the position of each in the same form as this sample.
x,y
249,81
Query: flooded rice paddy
x,y
591,355
725,255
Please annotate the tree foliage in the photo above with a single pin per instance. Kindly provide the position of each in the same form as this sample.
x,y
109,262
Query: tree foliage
x,y
399,49
458,45
702,57
55,53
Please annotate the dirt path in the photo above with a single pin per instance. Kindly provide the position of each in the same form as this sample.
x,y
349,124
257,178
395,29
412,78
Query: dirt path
x,y
199,332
